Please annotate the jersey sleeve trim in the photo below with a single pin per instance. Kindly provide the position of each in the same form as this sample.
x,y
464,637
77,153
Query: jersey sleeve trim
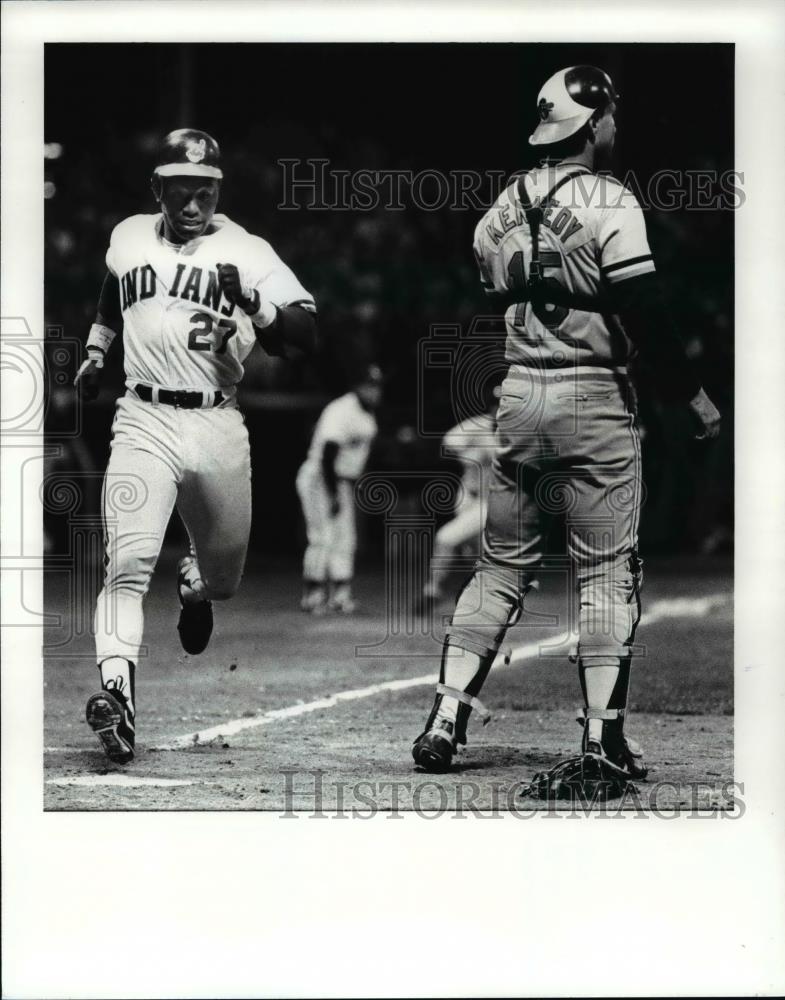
x,y
620,270
307,304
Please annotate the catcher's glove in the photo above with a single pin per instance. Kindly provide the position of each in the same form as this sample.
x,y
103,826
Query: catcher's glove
x,y
585,778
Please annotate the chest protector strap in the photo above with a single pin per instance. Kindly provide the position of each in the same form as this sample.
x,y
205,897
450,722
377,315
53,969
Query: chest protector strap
x,y
534,212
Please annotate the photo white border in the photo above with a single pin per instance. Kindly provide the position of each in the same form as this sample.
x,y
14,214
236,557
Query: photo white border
x,y
214,905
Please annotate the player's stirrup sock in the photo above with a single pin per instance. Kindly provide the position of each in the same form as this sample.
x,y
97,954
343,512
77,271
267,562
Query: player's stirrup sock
x,y
118,673
193,590
462,676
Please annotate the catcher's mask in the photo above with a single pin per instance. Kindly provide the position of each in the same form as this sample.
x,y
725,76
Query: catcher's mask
x,y
568,100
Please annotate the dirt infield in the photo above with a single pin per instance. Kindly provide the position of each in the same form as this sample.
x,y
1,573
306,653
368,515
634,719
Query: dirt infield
x,y
284,713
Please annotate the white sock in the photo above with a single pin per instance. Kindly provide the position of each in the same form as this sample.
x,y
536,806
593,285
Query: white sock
x,y
600,681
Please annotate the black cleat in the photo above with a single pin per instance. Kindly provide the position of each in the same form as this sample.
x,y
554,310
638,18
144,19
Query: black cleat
x,y
111,717
433,750
620,751
619,766
195,625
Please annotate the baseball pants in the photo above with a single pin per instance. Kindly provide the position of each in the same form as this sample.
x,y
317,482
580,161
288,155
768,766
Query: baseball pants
x,y
162,456
332,541
565,448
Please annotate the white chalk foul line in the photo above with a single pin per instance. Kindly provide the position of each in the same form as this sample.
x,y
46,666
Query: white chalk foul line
x,y
667,608
118,780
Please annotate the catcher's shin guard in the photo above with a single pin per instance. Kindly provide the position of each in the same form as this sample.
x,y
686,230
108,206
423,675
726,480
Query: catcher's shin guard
x,y
434,748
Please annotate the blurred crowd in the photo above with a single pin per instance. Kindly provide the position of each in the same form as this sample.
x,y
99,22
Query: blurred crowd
x,y
381,279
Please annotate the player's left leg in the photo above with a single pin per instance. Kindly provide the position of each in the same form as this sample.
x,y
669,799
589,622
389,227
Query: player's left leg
x,y
318,528
602,539
214,501
341,552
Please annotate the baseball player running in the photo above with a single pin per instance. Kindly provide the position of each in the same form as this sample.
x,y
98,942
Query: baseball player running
x,y
567,248
192,292
471,442
336,458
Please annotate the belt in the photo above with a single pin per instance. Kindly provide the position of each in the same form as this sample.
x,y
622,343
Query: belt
x,y
185,399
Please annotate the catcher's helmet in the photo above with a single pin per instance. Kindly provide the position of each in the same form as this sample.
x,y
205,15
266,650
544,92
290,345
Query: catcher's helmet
x,y
187,152
568,100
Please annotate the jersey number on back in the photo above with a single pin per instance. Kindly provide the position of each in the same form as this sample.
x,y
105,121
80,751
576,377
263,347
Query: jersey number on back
x,y
200,335
550,315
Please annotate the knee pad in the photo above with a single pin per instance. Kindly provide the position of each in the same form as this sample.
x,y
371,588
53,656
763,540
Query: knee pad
x,y
488,605
610,606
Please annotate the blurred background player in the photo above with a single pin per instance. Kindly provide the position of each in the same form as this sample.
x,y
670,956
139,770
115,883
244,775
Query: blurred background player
x,y
336,458
471,443
192,293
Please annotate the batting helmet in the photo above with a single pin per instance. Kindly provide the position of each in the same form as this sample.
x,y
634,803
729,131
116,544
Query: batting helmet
x,y
187,152
568,100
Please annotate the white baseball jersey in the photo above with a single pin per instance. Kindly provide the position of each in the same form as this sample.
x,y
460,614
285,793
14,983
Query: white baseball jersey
x,y
179,330
353,429
472,443
593,233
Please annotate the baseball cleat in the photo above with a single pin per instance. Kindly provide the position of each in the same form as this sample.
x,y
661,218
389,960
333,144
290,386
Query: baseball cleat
x,y
433,750
111,717
344,605
341,600
314,601
195,625
624,763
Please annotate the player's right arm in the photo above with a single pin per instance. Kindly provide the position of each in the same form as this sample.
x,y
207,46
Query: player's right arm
x,y
637,297
332,431
454,440
330,476
108,323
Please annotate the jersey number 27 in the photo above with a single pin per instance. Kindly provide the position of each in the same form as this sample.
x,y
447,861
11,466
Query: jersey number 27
x,y
200,336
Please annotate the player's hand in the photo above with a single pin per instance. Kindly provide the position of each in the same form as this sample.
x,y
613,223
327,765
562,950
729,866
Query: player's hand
x,y
88,378
335,506
707,416
232,287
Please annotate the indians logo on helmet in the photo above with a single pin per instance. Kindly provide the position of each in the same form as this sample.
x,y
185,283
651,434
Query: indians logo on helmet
x,y
196,150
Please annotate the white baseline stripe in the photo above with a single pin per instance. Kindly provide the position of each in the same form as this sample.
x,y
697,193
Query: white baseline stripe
x,y
292,711
669,608
123,780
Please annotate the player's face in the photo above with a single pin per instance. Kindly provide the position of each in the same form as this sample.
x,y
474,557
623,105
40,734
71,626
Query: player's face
x,y
188,205
370,395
